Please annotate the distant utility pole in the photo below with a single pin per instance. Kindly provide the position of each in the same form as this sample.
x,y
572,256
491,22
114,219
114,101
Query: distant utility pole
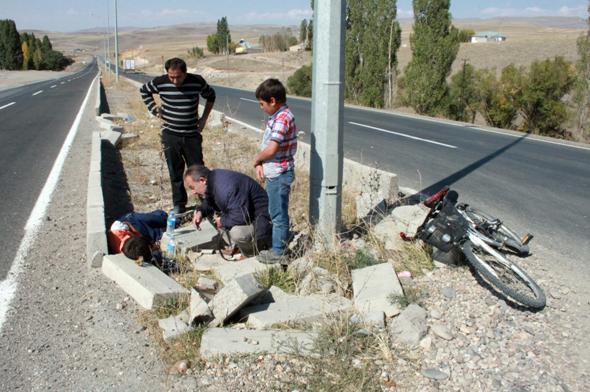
x,y
116,44
108,55
325,194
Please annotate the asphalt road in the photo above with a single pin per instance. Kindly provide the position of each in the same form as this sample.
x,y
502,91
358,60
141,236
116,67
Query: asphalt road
x,y
535,184
34,121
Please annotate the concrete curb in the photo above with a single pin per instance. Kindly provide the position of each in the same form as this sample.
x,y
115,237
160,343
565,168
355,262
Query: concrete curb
x,y
96,239
97,105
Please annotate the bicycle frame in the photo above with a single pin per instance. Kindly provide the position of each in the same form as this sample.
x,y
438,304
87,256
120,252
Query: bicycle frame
x,y
478,240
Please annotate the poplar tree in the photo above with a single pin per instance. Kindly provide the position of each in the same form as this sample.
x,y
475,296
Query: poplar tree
x,y
223,35
372,40
303,31
11,55
434,44
582,86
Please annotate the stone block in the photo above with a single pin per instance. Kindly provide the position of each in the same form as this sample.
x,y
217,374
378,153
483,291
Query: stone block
x,y
96,238
374,286
233,297
191,239
112,136
227,341
229,270
206,284
388,231
149,286
410,217
173,326
206,263
374,319
409,327
293,308
199,311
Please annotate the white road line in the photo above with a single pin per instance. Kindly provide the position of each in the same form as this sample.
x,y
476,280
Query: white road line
x,y
532,139
54,86
403,135
7,105
249,100
37,93
8,286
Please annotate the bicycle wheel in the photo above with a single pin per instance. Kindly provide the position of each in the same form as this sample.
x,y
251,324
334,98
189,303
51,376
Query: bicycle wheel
x,y
494,229
504,275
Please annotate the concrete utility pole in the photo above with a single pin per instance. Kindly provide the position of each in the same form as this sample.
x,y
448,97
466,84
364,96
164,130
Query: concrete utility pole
x,y
325,196
116,45
108,56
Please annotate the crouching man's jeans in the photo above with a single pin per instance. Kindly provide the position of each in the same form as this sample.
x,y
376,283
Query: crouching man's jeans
x,y
278,190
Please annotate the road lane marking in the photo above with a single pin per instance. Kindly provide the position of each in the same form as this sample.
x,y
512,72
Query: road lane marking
x,y
249,100
7,105
37,93
8,286
533,139
54,86
403,135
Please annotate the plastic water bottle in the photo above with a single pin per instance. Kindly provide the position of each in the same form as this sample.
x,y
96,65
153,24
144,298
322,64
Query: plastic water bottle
x,y
171,247
171,223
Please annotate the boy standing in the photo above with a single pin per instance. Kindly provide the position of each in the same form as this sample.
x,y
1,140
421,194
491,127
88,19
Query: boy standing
x,y
275,164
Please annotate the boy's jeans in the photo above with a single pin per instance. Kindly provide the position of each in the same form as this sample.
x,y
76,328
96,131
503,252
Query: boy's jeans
x,y
278,190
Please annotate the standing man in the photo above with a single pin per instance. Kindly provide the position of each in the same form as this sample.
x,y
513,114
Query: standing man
x,y
181,125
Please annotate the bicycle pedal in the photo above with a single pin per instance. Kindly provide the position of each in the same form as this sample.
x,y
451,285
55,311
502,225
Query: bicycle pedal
x,y
526,238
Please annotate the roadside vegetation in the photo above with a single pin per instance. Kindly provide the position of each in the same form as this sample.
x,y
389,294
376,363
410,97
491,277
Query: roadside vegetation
x,y
27,52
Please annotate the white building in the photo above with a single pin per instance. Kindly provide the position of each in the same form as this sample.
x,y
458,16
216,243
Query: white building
x,y
487,36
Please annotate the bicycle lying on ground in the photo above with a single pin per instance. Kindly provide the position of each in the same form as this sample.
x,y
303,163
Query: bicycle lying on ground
x,y
485,241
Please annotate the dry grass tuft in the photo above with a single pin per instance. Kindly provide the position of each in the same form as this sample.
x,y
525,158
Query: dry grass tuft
x,y
345,359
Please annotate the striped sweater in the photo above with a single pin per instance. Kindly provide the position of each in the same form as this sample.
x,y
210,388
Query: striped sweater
x,y
179,109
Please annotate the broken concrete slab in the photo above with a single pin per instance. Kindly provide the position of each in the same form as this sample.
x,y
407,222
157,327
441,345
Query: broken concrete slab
x,y
199,311
189,238
173,326
206,263
231,298
227,341
409,327
229,270
146,284
374,319
374,287
388,231
411,217
274,294
294,308
113,136
206,284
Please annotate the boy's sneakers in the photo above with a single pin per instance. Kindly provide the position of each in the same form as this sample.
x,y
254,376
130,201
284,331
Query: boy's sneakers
x,y
270,257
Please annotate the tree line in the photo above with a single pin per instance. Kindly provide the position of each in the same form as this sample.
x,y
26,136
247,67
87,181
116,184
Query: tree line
x,y
25,51
541,98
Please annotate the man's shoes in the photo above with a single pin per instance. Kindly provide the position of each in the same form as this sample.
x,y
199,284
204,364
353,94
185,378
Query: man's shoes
x,y
270,257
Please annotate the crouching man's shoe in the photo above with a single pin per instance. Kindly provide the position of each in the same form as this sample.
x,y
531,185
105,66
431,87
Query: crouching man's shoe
x,y
270,257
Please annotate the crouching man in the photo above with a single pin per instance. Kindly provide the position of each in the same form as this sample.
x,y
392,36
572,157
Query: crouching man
x,y
238,205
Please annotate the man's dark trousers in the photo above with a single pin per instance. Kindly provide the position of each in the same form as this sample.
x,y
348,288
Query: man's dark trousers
x,y
181,151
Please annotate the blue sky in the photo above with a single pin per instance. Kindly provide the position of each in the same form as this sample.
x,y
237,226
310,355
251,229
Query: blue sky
x,y
71,15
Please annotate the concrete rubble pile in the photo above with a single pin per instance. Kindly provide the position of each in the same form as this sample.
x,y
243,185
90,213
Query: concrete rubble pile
x,y
242,316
